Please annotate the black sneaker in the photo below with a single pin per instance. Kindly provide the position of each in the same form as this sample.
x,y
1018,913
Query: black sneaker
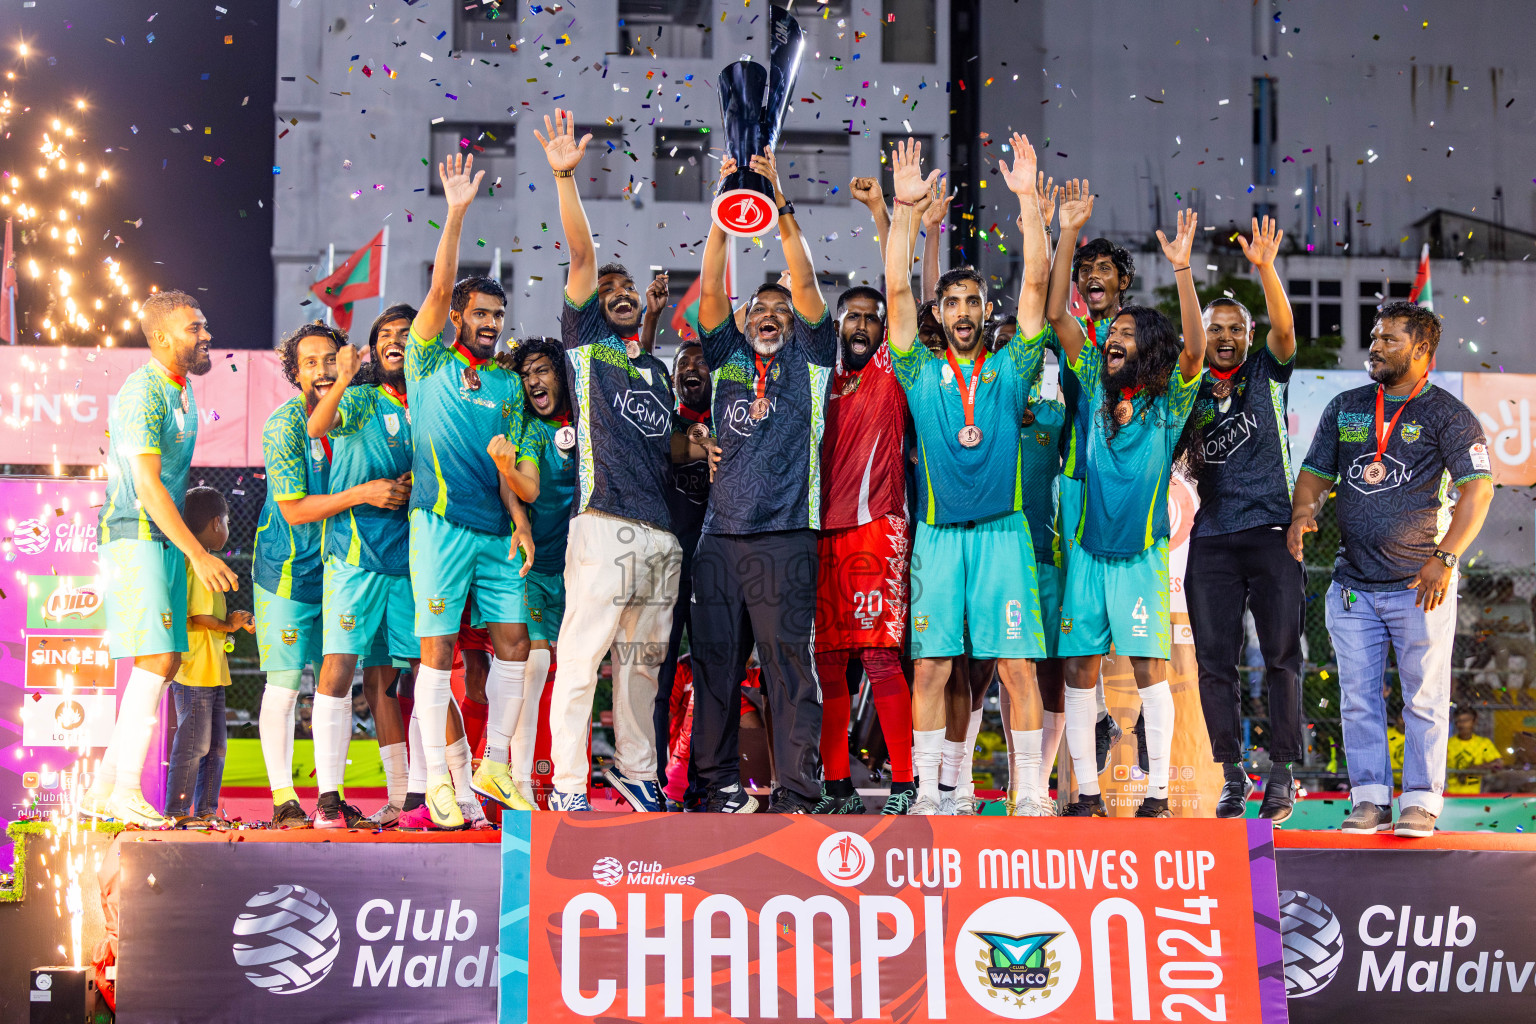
x,y
290,815
839,797
1106,733
1154,807
1086,807
731,800
1279,795
784,803
1141,742
900,800
1235,793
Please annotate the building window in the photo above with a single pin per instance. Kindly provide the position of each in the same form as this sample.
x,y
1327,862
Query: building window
x,y
682,165
605,170
484,25
665,28
1301,311
812,164
491,145
1367,323
907,32
1399,289
1330,289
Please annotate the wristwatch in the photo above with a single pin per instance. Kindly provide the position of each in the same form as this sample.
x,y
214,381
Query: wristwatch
x,y
787,209
1446,557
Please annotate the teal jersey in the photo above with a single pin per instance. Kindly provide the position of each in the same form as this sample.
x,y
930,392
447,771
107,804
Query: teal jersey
x,y
550,515
1079,404
452,476
1125,499
287,560
958,484
371,440
148,418
1039,466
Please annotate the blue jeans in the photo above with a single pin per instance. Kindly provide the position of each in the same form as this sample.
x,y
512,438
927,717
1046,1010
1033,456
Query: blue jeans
x,y
197,752
1363,625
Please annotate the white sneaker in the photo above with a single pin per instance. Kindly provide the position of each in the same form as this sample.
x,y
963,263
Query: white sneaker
x,y
131,809
1047,808
965,800
927,802
947,803
525,787
95,802
386,816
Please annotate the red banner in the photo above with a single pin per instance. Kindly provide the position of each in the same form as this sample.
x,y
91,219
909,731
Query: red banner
x,y
59,412
646,917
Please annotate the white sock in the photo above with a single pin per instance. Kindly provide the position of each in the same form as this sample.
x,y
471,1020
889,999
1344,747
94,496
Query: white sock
x,y
276,728
416,767
1050,746
951,758
136,718
927,746
434,692
104,778
458,768
395,771
1157,707
526,736
967,780
504,695
328,737
1081,719
1098,698
1024,762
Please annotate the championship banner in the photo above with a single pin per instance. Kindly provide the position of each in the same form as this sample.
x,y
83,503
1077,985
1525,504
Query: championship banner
x,y
245,928
768,917
58,684
1404,933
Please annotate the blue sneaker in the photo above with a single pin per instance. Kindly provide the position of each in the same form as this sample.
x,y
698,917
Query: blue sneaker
x,y
641,794
559,801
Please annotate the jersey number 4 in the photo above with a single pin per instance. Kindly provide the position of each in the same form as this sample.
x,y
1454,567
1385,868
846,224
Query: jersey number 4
x,y
1141,615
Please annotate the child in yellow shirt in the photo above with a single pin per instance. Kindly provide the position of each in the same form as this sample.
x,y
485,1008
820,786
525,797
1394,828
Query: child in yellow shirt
x,y
197,752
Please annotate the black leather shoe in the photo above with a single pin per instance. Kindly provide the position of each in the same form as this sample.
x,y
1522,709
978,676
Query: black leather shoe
x,y
1279,798
1235,793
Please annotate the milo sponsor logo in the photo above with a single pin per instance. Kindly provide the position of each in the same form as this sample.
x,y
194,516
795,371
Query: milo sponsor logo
x,y
60,601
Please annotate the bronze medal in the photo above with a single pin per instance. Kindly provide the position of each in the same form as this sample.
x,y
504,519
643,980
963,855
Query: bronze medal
x,y
1221,389
698,433
1027,419
633,348
969,436
565,438
471,378
1124,410
1374,473
758,409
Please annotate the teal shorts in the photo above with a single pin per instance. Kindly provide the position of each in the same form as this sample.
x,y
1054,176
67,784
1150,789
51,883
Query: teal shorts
x,y
364,608
146,583
1120,601
1069,511
979,577
1048,579
451,563
288,633
545,603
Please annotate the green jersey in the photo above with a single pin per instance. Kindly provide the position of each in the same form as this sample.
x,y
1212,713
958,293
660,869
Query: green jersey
x,y
371,440
155,414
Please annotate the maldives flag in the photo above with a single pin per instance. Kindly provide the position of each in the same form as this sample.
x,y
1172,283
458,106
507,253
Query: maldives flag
x,y
1423,292
685,315
357,278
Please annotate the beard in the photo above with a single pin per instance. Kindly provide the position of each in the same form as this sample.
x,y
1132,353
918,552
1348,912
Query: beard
x,y
1123,378
1386,372
196,361
969,347
767,348
854,360
394,378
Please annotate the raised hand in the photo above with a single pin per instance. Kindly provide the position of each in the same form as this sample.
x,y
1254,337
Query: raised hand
x,y
936,211
906,166
348,362
1178,250
503,453
1020,178
561,147
459,188
1076,204
1265,246
656,295
763,163
1046,189
867,191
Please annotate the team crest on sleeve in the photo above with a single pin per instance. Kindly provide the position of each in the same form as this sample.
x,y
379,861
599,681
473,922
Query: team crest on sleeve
x,y
506,410
347,622
290,635
435,605
165,619
1479,454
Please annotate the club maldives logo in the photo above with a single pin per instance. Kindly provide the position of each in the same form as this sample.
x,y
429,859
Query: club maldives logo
x,y
845,859
743,212
1313,940
31,536
287,939
1018,958
608,871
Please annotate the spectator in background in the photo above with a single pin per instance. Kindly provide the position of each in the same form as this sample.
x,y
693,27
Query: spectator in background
x,y
197,752
1467,749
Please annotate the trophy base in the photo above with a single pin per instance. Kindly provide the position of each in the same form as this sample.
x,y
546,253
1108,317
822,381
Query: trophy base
x,y
744,212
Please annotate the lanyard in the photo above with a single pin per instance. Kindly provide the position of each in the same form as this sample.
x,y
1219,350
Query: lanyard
x,y
968,397
325,442
397,395
762,372
1381,400
690,414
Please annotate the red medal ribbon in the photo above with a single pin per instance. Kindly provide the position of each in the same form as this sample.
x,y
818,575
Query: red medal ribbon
x,y
968,398
396,394
1381,401
467,357
689,414
1212,371
325,442
762,372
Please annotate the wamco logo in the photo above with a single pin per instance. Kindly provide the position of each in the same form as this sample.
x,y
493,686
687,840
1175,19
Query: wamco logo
x,y
1018,958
